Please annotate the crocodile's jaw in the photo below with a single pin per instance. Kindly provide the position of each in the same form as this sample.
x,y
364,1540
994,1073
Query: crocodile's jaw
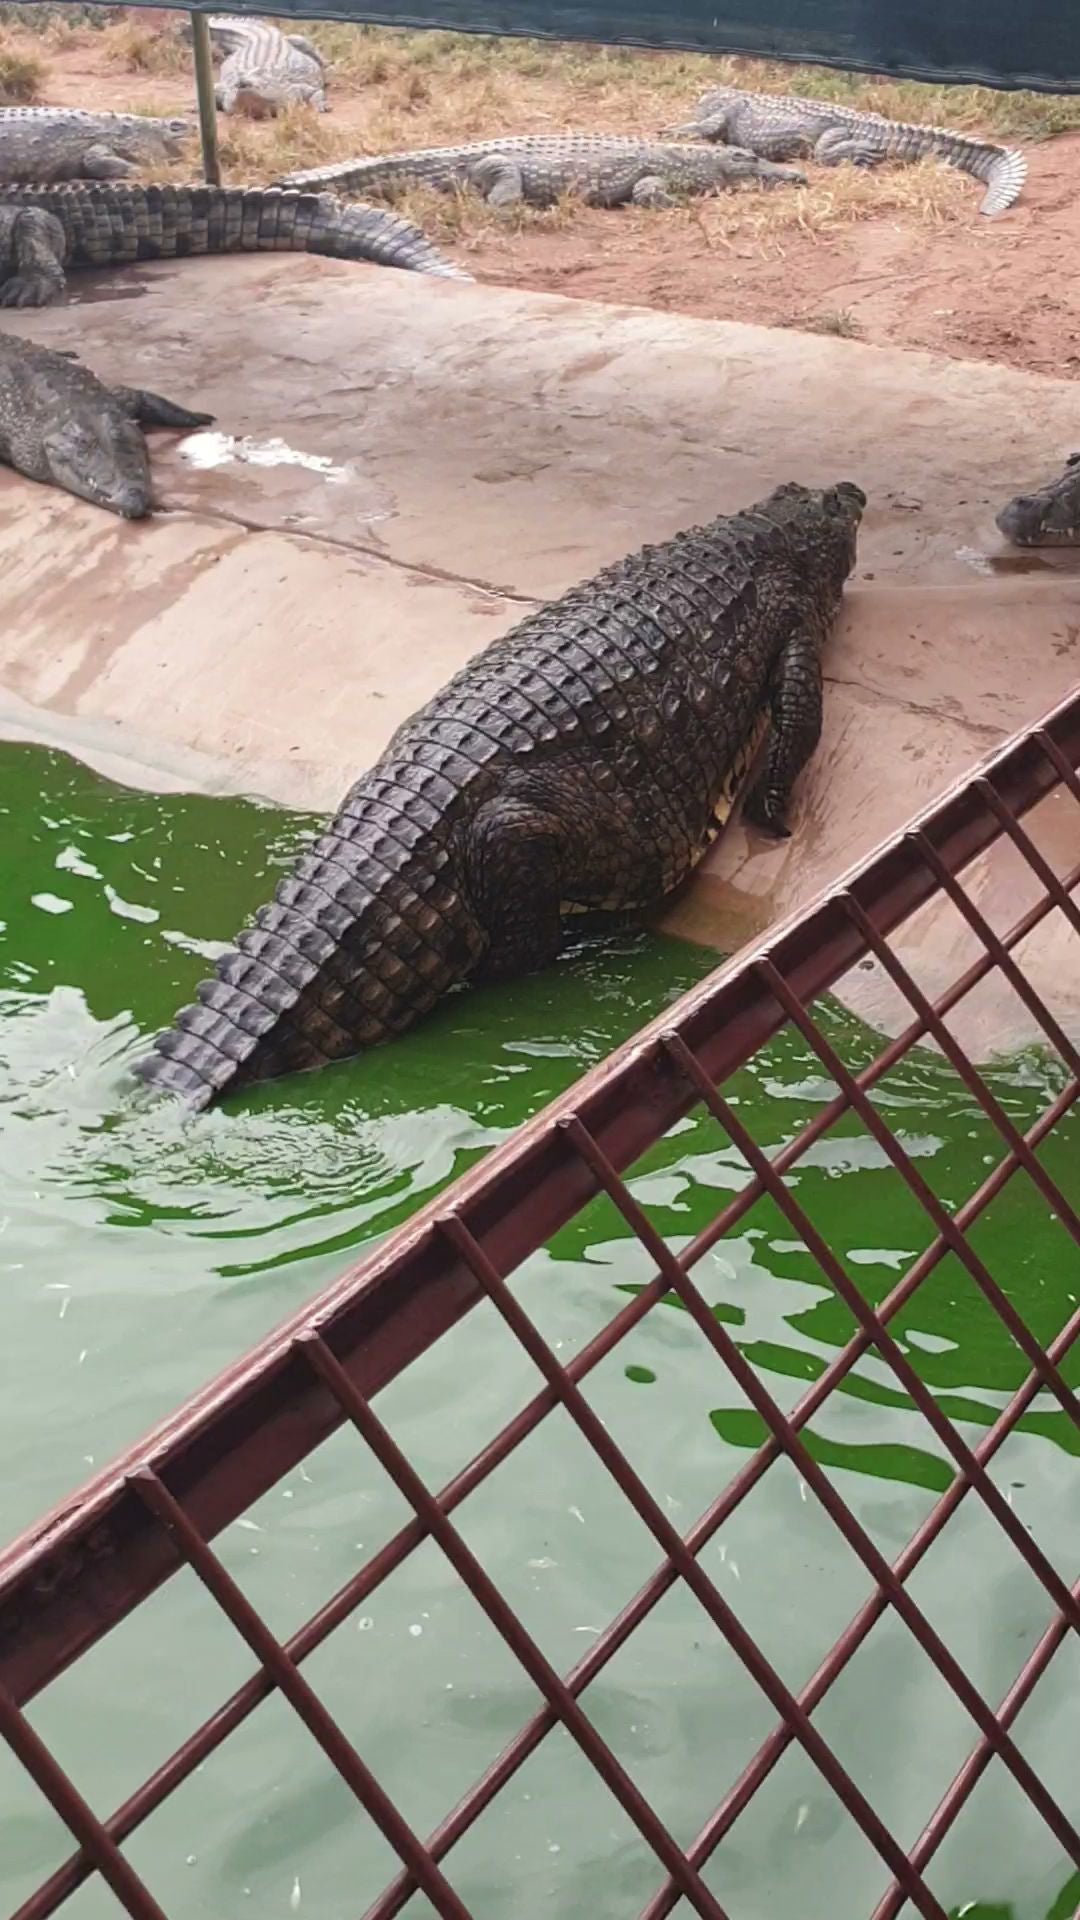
x,y
106,464
1044,519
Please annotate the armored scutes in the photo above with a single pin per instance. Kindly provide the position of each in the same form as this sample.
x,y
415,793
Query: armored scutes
x,y
1048,518
781,126
46,144
604,170
577,764
43,230
61,425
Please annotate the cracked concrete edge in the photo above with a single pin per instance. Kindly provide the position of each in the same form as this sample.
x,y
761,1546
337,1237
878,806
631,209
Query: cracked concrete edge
x,y
416,569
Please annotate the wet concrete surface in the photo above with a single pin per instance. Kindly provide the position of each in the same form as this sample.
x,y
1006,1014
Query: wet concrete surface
x,y
400,468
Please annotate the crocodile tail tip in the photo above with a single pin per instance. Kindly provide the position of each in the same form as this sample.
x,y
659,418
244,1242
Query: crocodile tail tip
x,y
1005,181
204,1054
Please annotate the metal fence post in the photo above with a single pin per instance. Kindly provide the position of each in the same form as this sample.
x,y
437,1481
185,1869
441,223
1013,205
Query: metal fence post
x,y
204,88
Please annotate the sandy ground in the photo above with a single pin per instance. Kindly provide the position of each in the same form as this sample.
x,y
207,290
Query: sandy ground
x,y
949,280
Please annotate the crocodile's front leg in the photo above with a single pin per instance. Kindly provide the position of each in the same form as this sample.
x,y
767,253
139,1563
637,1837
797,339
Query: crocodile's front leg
x,y
652,191
153,410
499,179
713,126
795,703
101,163
37,254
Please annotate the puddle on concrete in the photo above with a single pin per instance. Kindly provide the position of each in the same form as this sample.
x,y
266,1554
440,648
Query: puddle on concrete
x,y
1046,560
92,292
212,449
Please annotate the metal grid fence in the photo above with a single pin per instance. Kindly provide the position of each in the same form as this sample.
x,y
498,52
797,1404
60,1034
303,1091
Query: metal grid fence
x,y
74,1577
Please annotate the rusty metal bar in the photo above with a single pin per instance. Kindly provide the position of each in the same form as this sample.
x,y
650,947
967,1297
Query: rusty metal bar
x,y
319,1722
80,1570
743,1373
773,1184
484,1591
976,1763
98,1845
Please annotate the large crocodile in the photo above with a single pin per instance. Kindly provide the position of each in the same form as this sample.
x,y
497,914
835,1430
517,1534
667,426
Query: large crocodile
x,y
605,170
45,144
1048,518
265,70
60,424
577,763
228,31
45,229
781,126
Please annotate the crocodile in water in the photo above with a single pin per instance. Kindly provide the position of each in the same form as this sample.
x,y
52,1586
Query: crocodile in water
x,y
60,424
44,144
606,171
265,69
781,126
1048,518
576,764
45,229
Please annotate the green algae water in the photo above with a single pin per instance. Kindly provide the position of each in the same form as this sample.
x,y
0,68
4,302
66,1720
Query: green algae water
x,y
141,1250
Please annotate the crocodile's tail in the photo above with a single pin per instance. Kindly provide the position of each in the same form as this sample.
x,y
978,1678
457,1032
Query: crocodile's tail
x,y
347,176
1002,170
112,224
361,939
1004,180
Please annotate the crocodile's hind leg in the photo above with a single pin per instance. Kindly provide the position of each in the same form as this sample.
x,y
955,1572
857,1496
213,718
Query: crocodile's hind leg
x,y
101,163
713,126
37,253
795,702
152,410
839,147
515,866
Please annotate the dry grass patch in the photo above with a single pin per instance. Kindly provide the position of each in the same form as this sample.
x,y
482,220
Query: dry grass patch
x,y
838,321
260,150
926,194
140,49
21,75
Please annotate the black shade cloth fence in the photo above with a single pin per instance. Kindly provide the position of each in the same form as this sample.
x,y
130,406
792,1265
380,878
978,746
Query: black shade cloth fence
x,y
994,43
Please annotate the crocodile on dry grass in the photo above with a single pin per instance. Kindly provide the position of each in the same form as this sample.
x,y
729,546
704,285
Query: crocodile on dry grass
x,y
63,426
266,70
46,144
578,764
781,126
1048,518
604,170
44,230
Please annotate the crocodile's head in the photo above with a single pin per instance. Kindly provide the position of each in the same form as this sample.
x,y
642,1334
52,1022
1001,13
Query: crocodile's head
x,y
156,139
1049,518
824,522
101,458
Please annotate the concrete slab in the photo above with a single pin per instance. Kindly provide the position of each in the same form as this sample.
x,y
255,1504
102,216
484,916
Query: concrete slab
x,y
412,465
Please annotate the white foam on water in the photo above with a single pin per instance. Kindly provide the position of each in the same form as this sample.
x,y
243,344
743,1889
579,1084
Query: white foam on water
x,y
210,449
